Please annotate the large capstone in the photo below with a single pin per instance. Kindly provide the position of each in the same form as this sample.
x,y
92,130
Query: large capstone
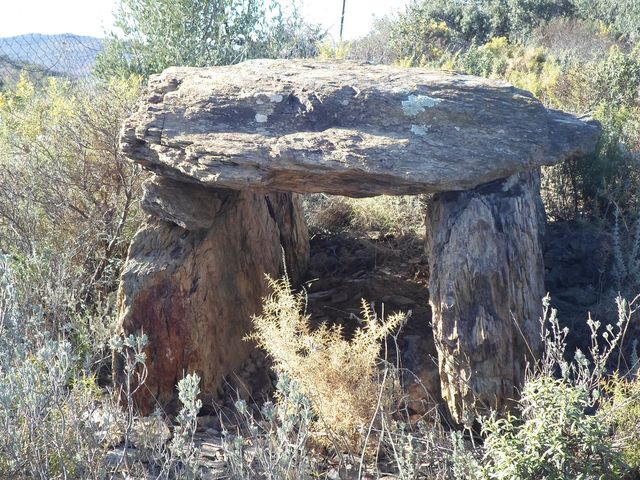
x,y
344,128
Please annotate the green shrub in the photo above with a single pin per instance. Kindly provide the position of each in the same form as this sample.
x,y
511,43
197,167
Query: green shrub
x,y
554,438
46,427
562,425
606,87
469,22
67,201
625,254
418,38
574,62
156,34
621,16
55,422
280,438
184,456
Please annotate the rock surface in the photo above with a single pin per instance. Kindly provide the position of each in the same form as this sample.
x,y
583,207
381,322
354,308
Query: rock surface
x,y
344,128
189,206
486,287
194,292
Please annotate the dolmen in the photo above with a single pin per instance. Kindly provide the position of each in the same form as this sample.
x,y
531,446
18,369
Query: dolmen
x,y
231,149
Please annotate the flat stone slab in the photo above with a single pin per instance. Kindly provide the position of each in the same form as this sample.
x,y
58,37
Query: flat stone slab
x,y
344,128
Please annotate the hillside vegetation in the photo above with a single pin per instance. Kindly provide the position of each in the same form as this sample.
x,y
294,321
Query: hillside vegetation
x,y
69,209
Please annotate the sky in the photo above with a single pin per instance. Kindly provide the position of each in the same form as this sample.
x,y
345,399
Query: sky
x,y
92,17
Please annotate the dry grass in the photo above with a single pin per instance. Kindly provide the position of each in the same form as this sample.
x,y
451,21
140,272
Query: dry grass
x,y
339,376
395,215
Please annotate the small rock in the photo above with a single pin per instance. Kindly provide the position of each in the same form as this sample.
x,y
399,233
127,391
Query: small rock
x,y
149,431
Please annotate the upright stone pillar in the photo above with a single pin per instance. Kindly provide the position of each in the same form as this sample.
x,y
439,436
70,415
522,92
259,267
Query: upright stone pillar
x,y
485,288
194,277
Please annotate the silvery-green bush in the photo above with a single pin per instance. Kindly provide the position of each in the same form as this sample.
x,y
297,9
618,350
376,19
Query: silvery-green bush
x,y
558,429
183,453
155,34
554,438
56,422
273,443
46,402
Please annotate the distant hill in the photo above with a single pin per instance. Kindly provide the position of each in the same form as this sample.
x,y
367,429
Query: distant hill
x,y
66,54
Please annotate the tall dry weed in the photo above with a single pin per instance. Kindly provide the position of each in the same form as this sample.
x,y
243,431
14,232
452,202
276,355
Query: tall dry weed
x,y
338,375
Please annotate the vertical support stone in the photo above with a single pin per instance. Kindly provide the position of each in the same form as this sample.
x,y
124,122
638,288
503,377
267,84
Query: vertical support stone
x,y
486,286
194,288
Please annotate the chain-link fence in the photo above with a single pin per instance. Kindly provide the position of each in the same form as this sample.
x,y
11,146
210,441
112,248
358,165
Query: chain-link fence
x,y
66,55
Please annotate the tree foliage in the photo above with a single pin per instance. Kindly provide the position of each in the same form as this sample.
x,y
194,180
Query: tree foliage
x,y
480,20
477,21
156,34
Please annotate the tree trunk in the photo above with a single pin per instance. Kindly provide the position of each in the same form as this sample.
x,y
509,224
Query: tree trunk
x,y
486,285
